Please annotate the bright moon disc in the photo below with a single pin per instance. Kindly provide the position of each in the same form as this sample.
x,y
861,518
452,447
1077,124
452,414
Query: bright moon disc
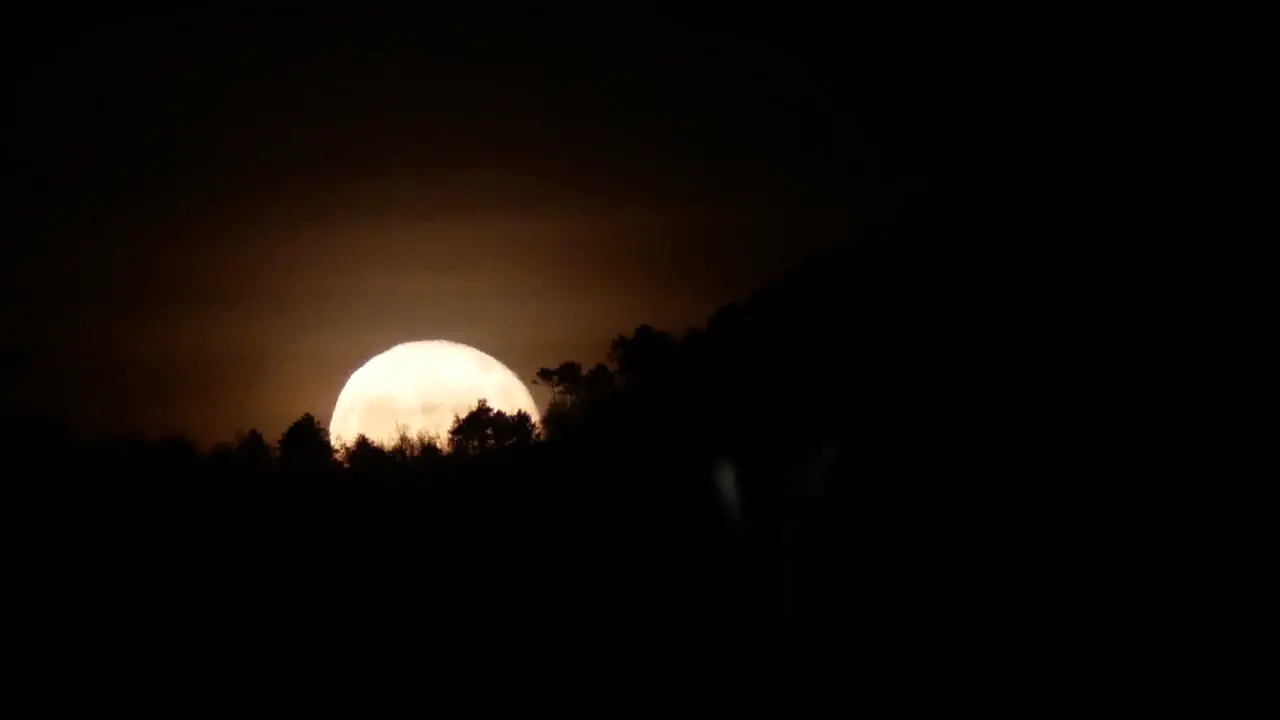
x,y
420,386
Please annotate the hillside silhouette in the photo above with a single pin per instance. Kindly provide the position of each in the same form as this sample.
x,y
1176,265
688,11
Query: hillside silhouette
x,y
854,474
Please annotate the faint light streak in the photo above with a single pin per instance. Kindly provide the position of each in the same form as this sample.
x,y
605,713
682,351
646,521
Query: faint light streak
x,y
727,484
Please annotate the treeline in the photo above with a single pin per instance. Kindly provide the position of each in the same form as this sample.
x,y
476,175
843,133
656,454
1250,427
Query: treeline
x,y
874,445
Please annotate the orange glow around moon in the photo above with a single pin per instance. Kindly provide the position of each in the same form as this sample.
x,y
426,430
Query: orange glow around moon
x,y
419,387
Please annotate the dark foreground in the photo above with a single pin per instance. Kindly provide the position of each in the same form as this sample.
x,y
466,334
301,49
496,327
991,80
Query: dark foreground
x,y
932,515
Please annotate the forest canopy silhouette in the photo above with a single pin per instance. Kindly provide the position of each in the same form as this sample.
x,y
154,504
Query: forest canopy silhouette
x,y
865,439
913,472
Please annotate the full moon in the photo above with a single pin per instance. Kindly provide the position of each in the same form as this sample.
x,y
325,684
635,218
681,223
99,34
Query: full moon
x,y
419,387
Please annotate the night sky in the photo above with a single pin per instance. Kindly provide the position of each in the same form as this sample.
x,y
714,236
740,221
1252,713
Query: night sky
x,y
221,216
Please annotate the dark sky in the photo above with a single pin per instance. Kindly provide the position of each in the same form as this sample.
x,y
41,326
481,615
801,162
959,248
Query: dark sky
x,y
223,215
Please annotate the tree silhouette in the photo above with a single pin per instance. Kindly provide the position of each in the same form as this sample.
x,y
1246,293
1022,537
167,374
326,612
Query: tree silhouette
x,y
516,429
367,457
253,451
565,381
427,446
305,447
404,448
647,355
575,395
598,384
484,429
